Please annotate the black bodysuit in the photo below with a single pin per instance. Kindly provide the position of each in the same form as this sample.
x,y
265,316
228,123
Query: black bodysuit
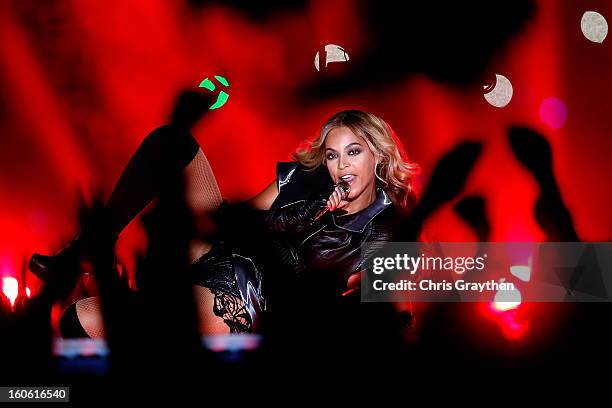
x,y
263,256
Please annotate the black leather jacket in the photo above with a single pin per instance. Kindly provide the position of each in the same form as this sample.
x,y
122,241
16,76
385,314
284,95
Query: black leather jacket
x,y
325,252
286,250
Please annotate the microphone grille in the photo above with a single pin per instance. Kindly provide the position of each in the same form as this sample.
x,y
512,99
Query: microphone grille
x,y
345,187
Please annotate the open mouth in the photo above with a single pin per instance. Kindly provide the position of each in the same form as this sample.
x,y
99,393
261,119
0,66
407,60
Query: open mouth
x,y
348,178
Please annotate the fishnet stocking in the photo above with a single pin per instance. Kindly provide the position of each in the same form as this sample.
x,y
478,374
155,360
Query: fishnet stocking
x,y
203,199
89,312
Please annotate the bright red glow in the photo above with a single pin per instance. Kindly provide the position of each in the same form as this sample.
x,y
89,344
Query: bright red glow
x,y
513,322
513,325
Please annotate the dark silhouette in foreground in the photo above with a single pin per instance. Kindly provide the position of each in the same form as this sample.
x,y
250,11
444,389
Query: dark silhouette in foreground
x,y
534,153
472,210
153,334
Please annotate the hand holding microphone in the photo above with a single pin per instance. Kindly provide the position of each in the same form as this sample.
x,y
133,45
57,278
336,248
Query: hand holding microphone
x,y
336,200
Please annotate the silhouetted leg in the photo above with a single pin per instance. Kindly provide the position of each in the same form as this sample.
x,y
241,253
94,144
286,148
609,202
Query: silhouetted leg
x,y
167,153
160,159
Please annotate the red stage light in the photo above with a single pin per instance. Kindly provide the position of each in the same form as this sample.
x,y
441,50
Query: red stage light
x,y
10,288
513,322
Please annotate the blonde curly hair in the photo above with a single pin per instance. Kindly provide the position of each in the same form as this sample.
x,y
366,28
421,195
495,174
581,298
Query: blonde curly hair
x,y
394,172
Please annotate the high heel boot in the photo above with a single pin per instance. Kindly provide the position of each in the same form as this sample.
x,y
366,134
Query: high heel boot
x,y
42,266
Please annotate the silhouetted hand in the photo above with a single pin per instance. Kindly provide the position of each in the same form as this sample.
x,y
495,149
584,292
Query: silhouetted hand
x,y
450,173
190,106
533,151
551,214
555,219
5,306
447,181
472,210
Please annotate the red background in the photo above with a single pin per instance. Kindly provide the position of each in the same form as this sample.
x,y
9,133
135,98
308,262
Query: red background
x,y
84,82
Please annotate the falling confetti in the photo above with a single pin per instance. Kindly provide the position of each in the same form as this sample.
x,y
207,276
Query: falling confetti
x,y
333,53
594,26
523,272
499,93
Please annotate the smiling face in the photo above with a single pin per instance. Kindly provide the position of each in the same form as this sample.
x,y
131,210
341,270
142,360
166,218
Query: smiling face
x,y
349,158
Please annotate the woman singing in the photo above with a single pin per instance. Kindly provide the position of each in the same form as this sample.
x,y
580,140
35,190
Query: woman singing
x,y
300,238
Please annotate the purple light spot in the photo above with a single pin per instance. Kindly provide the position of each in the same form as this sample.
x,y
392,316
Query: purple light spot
x,y
553,112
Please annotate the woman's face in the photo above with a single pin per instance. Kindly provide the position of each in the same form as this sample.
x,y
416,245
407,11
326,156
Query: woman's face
x,y
349,158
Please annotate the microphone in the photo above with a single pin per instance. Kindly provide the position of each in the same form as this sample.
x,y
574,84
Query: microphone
x,y
345,188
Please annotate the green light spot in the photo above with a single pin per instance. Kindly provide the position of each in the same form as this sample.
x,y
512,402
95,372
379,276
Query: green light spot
x,y
222,97
220,100
208,84
222,80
